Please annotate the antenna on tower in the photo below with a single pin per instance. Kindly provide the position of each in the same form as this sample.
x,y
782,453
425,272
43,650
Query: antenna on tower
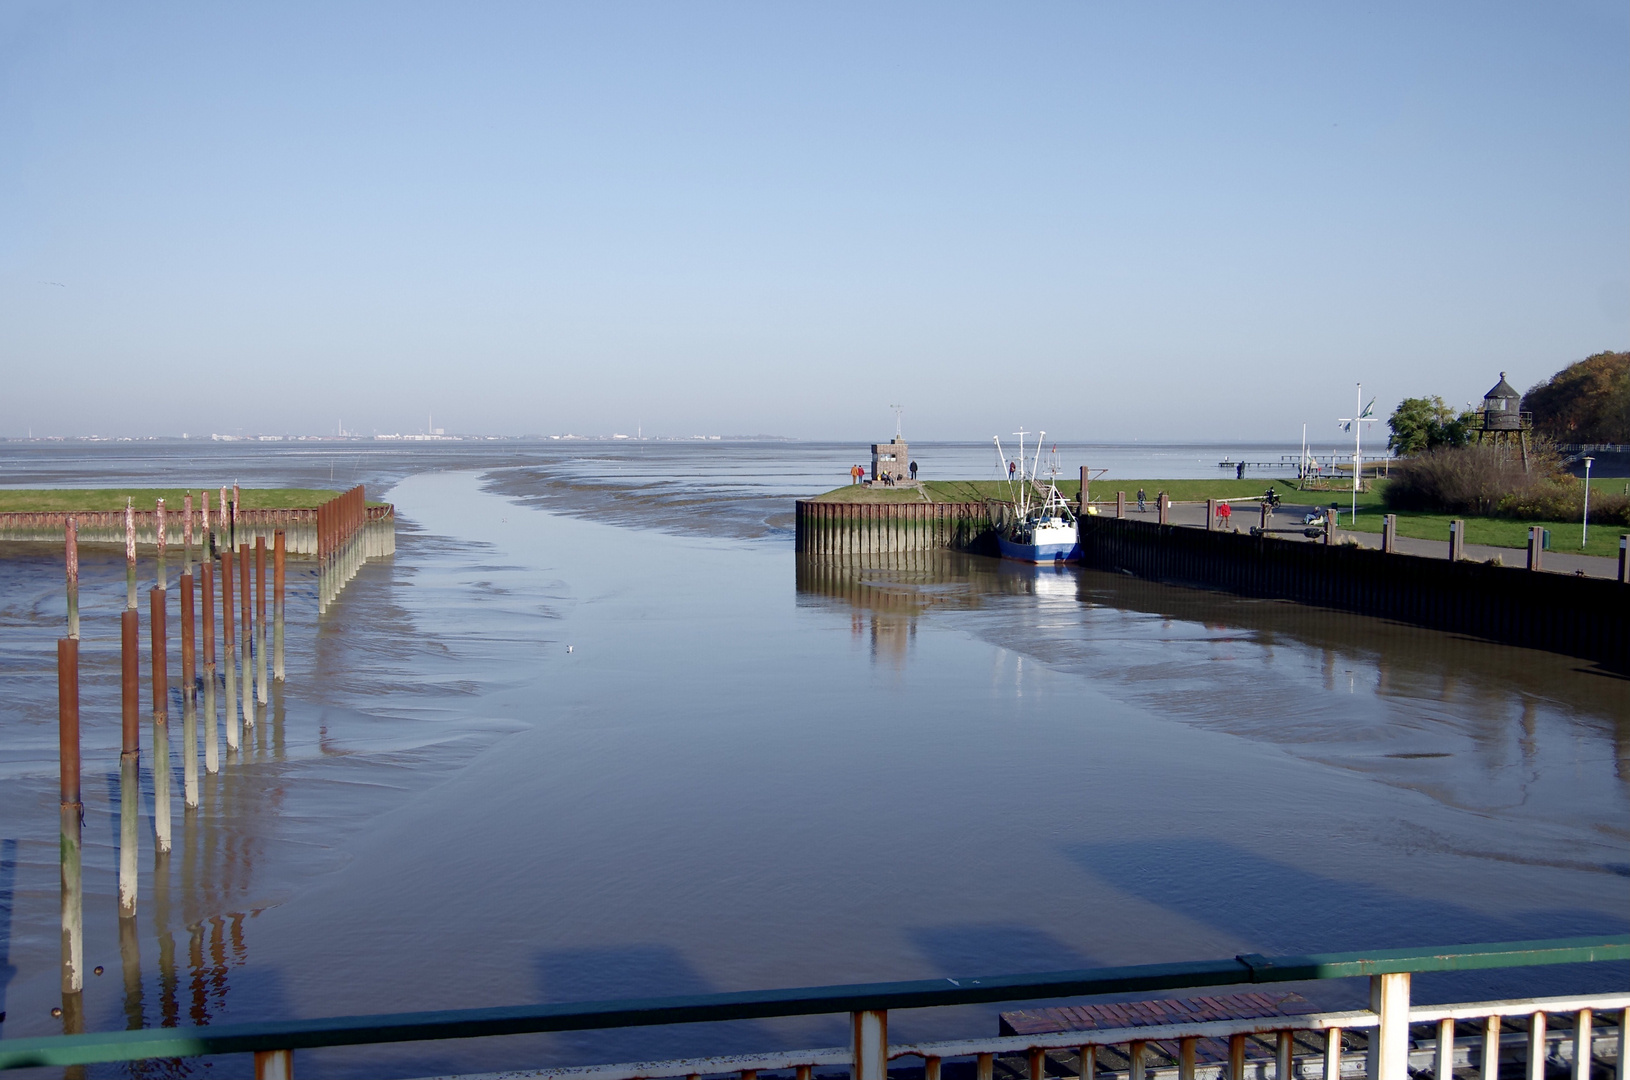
x,y
899,413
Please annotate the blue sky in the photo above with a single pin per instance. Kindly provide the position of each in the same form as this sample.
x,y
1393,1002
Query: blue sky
x,y
1110,220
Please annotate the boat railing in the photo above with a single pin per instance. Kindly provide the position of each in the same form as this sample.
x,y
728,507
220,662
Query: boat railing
x,y
1387,1041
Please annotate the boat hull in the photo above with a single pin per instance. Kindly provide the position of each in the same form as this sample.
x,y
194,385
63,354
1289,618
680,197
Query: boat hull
x,y
1069,551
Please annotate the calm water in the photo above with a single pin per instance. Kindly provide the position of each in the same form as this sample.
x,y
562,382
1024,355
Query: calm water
x,y
750,772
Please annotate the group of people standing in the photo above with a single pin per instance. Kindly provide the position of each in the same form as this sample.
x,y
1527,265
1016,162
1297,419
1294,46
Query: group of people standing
x,y
857,475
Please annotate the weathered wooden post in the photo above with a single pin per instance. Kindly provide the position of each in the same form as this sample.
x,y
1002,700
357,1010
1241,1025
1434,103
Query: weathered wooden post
x,y
237,512
158,526
189,695
70,536
130,554
1457,540
212,750
1265,512
161,725
260,618
279,545
1389,1046
186,533
1330,537
1086,499
1165,508
230,647
1120,505
224,512
1624,560
72,817
1211,515
246,632
129,758
1536,540
1389,533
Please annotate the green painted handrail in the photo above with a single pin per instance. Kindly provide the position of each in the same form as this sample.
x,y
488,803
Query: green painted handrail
x,y
758,1004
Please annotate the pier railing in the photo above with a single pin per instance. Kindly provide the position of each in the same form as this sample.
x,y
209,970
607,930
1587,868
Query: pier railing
x,y
1593,1026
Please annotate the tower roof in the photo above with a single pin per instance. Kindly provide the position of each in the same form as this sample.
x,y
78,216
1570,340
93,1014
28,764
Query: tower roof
x,y
1503,389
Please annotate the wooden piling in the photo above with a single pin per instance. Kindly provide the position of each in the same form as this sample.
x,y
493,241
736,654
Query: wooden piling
x,y
70,536
130,554
1165,508
260,618
1086,479
186,533
209,552
1389,533
158,525
247,634
1120,504
278,552
230,648
1457,540
71,817
189,698
1536,545
129,758
212,753
225,512
161,724
237,509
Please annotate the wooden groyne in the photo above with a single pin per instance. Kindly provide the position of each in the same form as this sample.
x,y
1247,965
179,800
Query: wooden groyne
x,y
1563,613
865,528
108,526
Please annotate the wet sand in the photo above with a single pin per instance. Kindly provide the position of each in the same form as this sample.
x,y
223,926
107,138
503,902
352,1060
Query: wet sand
x,y
751,772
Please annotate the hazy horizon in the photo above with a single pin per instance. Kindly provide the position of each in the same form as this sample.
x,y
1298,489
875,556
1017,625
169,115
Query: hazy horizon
x,y
1178,222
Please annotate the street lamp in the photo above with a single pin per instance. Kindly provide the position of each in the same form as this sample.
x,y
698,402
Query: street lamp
x,y
1584,525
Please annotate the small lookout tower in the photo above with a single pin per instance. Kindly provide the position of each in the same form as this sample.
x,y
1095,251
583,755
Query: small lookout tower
x,y
891,460
1502,408
1504,422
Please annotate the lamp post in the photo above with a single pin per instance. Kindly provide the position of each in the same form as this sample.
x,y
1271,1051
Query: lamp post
x,y
1584,525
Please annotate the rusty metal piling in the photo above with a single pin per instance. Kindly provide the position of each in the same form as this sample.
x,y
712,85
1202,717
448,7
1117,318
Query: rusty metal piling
x,y
161,725
130,554
129,758
70,533
260,618
189,697
279,544
246,632
212,750
72,817
230,675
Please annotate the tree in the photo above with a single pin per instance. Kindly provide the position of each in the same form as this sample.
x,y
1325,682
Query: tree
x,y
1421,424
1586,402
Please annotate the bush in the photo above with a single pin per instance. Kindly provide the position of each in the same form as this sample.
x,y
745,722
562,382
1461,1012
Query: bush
x,y
1552,501
1460,479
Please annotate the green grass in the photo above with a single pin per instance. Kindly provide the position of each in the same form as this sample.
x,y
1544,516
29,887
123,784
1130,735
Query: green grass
x,y
1102,490
71,500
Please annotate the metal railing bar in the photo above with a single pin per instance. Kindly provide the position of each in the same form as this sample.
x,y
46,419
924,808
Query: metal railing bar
x,y
1518,1007
1070,1040
705,1066
762,1004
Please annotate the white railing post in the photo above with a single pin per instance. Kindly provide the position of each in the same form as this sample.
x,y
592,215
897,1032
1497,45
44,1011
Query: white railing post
x,y
1624,1045
1536,1046
1236,1057
1089,1062
1185,1059
274,1065
1446,1050
1389,1046
1332,1054
1491,1048
1581,1045
1136,1058
1038,1063
1284,1060
871,1044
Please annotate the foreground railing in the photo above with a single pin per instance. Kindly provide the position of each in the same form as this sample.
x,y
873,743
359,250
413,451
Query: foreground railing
x,y
1132,1053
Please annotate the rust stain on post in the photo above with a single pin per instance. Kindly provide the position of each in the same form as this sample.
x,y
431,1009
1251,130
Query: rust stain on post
x,y
247,635
72,812
279,546
260,618
129,760
211,750
161,725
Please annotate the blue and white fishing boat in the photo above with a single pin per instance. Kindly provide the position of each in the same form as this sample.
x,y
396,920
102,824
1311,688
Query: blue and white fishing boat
x,y
1038,525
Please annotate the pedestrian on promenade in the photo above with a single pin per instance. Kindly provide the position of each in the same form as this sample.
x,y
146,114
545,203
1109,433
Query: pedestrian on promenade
x,y
854,474
913,470
1223,514
1141,507
1239,471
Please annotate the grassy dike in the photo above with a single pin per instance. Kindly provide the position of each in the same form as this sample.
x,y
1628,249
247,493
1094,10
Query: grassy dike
x,y
76,500
1491,531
